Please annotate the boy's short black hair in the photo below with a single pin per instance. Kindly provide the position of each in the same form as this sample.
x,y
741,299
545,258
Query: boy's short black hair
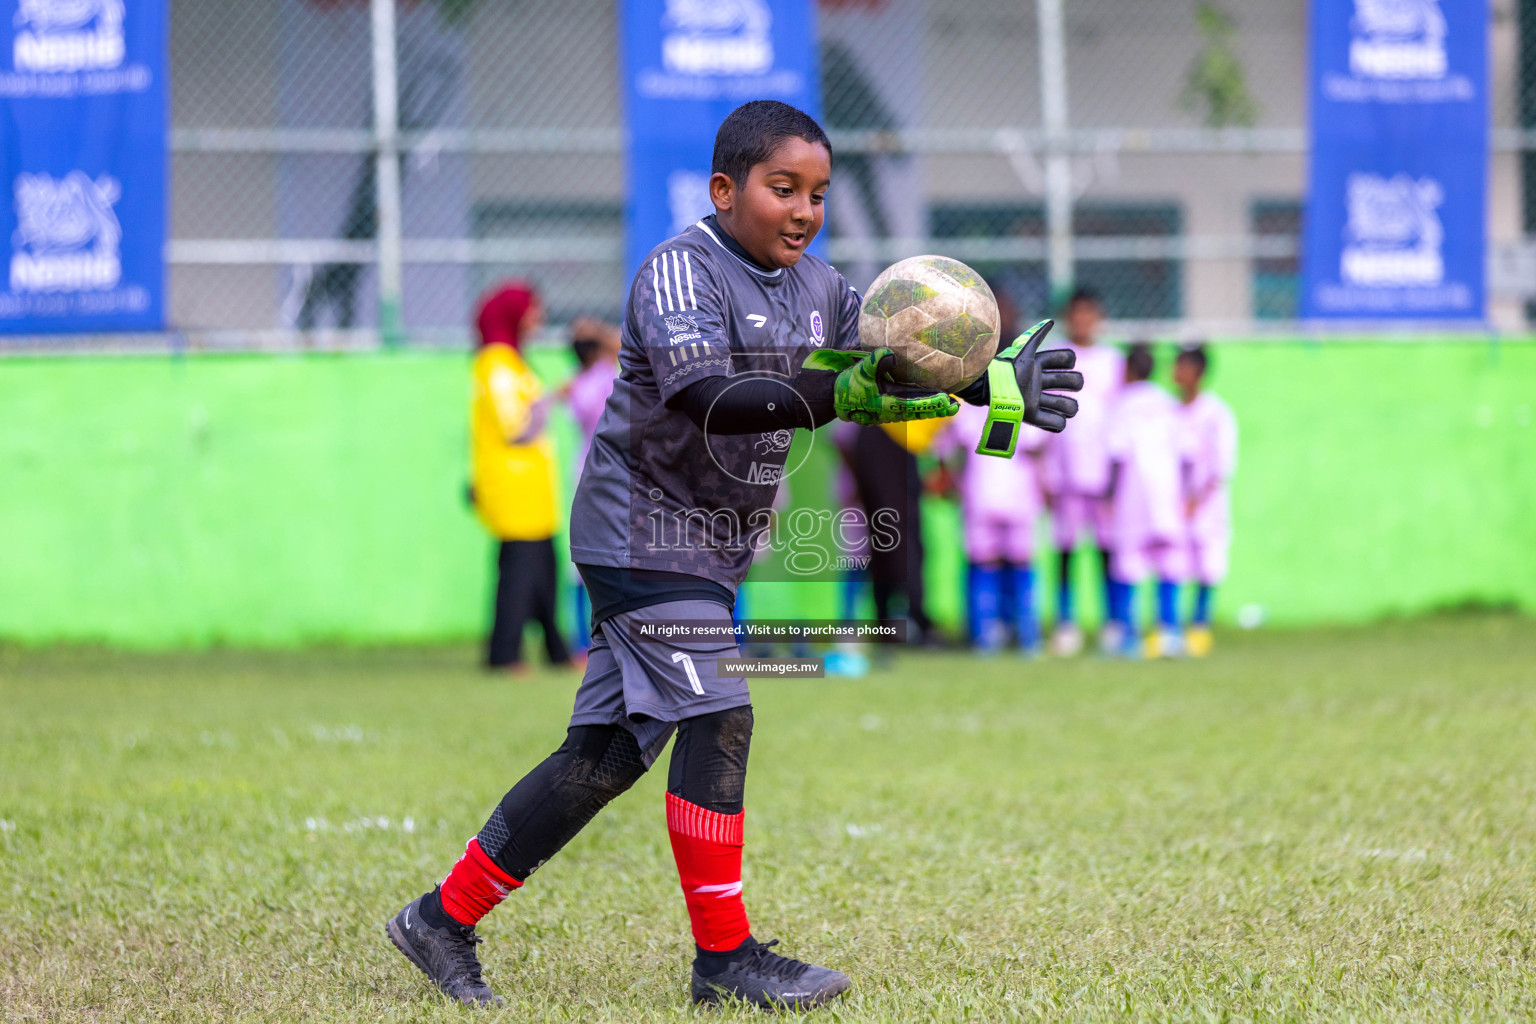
x,y
753,131
1195,355
1138,361
1084,294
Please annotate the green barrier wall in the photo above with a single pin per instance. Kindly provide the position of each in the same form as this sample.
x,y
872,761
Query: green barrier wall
x,y
260,500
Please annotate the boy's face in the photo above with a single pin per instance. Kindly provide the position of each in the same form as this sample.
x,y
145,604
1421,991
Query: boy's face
x,y
776,212
1186,374
1083,319
533,319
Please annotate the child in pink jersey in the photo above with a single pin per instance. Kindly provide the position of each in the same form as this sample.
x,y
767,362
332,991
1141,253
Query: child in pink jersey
x,y
1145,447
1000,500
1077,462
1210,443
596,345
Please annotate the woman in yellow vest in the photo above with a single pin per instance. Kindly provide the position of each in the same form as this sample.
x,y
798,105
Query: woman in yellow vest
x,y
513,475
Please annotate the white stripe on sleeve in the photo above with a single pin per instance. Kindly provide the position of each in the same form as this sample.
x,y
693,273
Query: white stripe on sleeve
x,y
677,280
666,282
688,266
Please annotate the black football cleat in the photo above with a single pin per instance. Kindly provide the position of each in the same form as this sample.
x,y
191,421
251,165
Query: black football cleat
x,y
446,955
765,979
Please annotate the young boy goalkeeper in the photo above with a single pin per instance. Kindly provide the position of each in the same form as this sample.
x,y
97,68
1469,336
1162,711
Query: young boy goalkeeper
x,y
733,338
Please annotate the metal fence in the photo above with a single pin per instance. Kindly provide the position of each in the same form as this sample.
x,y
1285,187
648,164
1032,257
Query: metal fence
x,y
330,152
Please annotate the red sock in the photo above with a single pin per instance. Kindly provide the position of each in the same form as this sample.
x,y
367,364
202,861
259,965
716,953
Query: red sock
x,y
707,847
474,886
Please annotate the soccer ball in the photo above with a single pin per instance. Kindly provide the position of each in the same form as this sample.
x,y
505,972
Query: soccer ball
x,y
938,316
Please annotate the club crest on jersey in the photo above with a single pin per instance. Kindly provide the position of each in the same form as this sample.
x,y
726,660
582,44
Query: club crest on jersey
x,y
817,331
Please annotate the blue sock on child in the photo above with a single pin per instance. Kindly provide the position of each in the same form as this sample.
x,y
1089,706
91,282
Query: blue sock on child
x,y
1168,604
1024,621
1202,616
848,596
1005,592
1120,598
984,593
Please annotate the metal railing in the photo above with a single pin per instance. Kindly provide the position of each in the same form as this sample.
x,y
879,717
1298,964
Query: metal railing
x,y
356,100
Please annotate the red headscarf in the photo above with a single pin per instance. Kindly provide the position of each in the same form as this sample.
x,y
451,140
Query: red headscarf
x,y
500,320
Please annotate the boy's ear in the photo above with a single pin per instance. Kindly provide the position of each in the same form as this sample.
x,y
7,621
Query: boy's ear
x,y
722,190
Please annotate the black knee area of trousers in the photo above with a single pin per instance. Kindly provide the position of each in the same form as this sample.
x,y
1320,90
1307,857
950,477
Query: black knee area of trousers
x,y
552,803
709,760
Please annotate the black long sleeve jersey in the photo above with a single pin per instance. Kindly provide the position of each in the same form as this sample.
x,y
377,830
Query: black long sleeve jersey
x,y
657,491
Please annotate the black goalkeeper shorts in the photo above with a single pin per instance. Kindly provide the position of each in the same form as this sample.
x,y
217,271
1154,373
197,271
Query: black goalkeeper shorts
x,y
649,686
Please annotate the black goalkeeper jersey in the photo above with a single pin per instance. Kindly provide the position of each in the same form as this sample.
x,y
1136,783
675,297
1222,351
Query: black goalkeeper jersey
x,y
656,491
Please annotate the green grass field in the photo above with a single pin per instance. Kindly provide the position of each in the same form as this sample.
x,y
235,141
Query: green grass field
x,y
1321,825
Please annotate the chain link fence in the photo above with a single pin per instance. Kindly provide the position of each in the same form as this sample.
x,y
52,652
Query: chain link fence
x,y
1168,173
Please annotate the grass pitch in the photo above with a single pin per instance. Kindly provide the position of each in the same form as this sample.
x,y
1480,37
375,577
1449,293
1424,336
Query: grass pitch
x,y
1319,825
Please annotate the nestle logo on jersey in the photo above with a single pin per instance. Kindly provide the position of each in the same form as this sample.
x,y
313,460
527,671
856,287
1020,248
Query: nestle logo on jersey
x,y
681,328
765,473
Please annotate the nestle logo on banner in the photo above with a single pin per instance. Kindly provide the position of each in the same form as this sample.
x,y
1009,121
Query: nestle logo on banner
x,y
1393,237
68,238
1398,39
55,36
688,199
717,37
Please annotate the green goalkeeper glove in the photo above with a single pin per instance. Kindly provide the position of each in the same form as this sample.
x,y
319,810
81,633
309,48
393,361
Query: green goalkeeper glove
x,y
864,393
1018,386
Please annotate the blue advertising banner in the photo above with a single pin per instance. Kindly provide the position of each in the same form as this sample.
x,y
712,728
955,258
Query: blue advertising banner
x,y
687,64
1396,212
82,165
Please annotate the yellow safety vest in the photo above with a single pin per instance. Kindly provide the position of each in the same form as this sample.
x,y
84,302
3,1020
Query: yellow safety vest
x,y
514,482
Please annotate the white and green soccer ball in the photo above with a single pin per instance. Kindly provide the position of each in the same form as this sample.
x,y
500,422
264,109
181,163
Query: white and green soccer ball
x,y
938,316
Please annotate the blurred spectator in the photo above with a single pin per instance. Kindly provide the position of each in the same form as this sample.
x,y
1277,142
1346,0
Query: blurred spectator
x,y
999,502
856,536
513,481
1077,464
760,537
1144,446
883,461
853,542
1210,444
596,346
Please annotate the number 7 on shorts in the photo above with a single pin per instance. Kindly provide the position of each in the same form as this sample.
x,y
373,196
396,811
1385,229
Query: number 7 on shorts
x,y
693,675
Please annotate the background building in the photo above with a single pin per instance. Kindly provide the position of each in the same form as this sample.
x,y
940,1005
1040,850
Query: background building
x,y
1186,132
